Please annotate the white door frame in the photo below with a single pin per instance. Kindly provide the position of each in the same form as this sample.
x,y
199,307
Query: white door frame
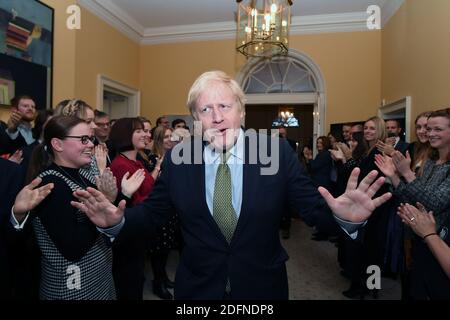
x,y
386,112
108,84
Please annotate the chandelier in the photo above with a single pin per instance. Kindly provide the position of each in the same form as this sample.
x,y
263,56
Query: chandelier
x,y
263,27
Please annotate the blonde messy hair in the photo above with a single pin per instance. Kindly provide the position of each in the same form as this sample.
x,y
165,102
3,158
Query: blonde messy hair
x,y
207,78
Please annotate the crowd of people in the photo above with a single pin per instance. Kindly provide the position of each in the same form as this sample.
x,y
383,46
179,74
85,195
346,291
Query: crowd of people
x,y
86,198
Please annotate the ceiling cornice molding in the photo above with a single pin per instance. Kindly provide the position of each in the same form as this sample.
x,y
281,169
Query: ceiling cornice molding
x,y
115,17
327,23
192,32
389,9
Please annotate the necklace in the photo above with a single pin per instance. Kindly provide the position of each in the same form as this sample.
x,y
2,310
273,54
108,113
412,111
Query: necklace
x,y
74,180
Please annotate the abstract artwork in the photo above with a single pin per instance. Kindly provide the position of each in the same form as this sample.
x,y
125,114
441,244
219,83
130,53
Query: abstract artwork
x,y
26,49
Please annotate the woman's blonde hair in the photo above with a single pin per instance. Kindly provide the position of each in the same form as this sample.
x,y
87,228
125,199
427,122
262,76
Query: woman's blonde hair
x,y
421,150
158,140
380,126
202,82
73,108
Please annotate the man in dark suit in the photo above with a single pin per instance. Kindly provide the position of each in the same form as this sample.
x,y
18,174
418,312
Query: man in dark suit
x,y
393,142
18,130
230,202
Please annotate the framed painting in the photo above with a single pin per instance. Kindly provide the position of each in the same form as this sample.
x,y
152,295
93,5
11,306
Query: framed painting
x,y
26,51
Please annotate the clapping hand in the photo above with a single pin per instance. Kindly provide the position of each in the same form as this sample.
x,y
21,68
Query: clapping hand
x,y
385,164
100,153
98,208
337,155
421,221
356,204
131,185
13,121
30,196
385,148
402,164
16,157
107,184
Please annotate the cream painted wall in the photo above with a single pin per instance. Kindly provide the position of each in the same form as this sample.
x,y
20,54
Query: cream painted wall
x,y
416,55
350,62
101,49
167,71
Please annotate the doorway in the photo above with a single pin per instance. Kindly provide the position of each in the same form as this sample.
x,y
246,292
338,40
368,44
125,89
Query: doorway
x,y
399,110
259,116
116,99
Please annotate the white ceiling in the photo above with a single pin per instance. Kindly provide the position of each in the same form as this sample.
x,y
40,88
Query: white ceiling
x,y
163,21
164,13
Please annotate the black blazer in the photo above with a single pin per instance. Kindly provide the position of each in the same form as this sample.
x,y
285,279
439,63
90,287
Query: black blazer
x,y
7,145
10,183
254,261
402,146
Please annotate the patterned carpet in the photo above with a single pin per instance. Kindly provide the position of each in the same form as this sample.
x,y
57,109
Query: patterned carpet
x,y
313,270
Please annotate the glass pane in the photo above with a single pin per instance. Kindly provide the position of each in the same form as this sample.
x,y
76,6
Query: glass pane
x,y
255,86
279,70
264,75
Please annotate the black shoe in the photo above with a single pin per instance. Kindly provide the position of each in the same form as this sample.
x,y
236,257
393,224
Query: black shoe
x,y
160,289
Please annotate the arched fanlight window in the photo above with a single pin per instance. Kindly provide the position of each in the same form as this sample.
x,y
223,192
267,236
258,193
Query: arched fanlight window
x,y
282,75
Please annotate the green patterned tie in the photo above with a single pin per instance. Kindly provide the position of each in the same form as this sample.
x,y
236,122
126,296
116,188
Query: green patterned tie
x,y
223,210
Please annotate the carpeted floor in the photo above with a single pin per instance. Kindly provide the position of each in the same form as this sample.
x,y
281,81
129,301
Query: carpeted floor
x,y
313,270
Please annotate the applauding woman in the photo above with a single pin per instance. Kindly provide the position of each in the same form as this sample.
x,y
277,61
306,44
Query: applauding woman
x,y
432,189
76,258
128,137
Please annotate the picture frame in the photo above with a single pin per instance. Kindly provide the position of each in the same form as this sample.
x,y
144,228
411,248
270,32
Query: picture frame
x,y
26,51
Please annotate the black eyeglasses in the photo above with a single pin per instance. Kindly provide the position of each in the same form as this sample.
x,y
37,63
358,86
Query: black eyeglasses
x,y
83,139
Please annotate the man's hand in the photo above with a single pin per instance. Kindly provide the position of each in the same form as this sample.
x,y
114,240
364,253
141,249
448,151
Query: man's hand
x,y
29,197
98,208
356,204
13,121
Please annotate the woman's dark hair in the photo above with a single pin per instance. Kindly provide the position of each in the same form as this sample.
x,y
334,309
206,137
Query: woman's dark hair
x,y
121,135
325,142
41,118
361,148
43,156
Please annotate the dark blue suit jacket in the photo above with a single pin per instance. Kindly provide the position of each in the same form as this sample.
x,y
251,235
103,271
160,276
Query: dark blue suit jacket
x,y
10,184
254,261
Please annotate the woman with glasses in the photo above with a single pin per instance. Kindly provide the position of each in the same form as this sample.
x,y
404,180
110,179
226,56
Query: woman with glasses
x,y
80,109
76,255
